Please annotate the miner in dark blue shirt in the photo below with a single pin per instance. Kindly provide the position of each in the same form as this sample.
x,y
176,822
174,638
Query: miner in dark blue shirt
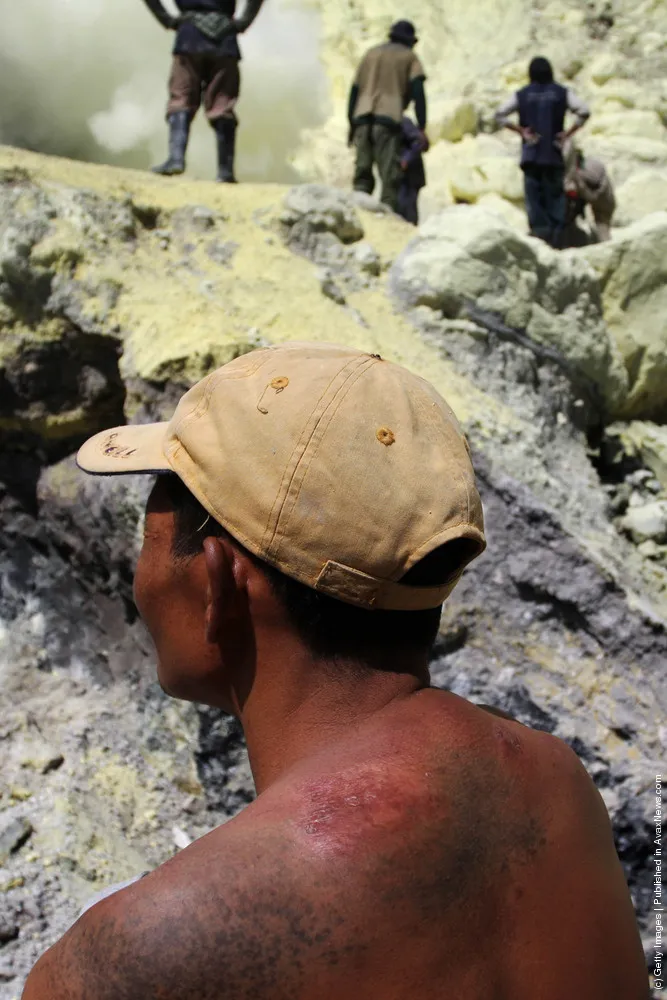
x,y
205,70
542,106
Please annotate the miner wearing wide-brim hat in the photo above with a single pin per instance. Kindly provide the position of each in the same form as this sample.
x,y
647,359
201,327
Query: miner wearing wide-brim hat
x,y
390,77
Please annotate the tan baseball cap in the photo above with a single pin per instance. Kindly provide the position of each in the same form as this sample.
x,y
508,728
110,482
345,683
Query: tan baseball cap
x,y
338,468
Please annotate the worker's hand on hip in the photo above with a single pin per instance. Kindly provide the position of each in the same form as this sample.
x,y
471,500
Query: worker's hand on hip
x,y
528,135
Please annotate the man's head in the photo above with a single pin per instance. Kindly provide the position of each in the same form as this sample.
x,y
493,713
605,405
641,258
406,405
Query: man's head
x,y
308,491
404,33
540,70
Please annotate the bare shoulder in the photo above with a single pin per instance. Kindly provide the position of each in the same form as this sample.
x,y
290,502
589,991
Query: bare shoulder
x,y
556,766
229,917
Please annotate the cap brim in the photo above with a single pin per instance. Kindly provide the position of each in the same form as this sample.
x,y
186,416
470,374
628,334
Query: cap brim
x,y
120,450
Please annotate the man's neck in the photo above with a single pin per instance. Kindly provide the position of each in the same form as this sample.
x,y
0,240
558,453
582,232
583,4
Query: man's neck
x,y
298,706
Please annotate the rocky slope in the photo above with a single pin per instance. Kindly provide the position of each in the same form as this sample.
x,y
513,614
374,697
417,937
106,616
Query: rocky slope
x,y
117,291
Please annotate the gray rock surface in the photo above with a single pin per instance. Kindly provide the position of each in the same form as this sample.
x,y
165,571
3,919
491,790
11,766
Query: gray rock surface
x,y
647,522
467,255
321,209
13,836
632,271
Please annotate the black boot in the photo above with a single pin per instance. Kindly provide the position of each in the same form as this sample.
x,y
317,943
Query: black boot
x,y
179,131
225,129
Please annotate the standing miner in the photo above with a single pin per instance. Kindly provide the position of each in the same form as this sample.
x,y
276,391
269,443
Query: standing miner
x,y
389,78
205,68
542,106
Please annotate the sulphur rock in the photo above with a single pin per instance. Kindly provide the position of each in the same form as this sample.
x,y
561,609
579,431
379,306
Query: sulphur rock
x,y
368,259
646,441
647,523
641,194
618,94
604,67
628,151
632,269
507,210
466,255
452,119
497,175
636,123
470,169
322,209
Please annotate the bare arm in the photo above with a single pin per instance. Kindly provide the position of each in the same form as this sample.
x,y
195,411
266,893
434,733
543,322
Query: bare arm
x,y
580,110
510,107
228,918
250,12
161,15
418,95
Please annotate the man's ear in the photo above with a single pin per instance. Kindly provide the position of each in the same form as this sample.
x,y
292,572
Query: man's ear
x,y
221,591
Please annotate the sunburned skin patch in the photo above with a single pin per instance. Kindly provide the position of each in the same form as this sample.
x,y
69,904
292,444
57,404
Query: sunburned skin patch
x,y
338,811
511,741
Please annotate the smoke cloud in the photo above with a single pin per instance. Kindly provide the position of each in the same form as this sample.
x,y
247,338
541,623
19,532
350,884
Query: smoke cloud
x,y
87,79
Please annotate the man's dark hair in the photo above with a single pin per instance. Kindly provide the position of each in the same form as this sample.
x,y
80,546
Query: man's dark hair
x,y
330,628
540,70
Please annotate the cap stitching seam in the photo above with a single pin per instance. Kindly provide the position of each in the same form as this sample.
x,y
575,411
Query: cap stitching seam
x,y
329,412
284,493
285,474
204,403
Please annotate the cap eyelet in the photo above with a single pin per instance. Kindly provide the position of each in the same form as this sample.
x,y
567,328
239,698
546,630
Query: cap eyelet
x,y
278,384
385,436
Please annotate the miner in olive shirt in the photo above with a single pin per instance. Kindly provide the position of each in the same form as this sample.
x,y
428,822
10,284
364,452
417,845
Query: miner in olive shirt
x,y
389,78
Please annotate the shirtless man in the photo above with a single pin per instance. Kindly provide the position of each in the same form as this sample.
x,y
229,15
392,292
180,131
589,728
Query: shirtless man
x,y
315,507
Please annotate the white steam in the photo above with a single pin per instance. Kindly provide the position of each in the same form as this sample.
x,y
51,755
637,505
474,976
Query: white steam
x,y
88,79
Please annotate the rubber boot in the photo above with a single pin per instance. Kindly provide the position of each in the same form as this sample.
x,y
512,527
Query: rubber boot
x,y
225,130
179,132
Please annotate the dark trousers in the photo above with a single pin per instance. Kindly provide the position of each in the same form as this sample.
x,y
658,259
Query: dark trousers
x,y
407,203
378,145
204,78
545,201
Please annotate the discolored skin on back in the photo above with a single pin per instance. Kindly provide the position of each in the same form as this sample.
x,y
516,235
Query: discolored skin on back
x,y
438,852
